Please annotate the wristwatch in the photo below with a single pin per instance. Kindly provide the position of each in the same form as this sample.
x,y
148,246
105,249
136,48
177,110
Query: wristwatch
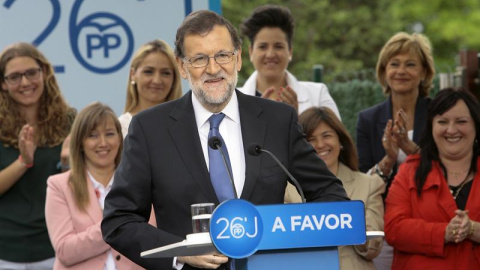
x,y
381,174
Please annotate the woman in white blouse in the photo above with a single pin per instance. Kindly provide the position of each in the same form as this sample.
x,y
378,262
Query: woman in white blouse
x,y
270,32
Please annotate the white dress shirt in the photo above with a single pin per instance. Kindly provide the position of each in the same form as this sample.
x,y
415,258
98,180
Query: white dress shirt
x,y
125,120
101,193
231,132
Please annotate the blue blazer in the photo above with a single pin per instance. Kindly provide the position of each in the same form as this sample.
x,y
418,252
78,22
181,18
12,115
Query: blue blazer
x,y
163,164
371,124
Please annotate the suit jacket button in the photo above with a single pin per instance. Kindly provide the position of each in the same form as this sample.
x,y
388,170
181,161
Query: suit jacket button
x,y
117,258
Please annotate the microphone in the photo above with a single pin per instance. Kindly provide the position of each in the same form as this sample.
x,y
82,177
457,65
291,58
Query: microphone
x,y
256,150
216,144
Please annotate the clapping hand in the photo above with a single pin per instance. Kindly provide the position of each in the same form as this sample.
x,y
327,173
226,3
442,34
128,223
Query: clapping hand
x,y
458,227
27,144
286,95
399,129
389,141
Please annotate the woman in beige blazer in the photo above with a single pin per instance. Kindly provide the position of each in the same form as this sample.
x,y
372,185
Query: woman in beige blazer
x,y
334,145
74,203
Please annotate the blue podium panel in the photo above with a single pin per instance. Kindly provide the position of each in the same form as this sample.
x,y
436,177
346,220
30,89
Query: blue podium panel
x,y
325,258
312,225
239,229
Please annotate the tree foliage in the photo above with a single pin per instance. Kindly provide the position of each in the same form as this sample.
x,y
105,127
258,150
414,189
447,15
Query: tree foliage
x,y
347,35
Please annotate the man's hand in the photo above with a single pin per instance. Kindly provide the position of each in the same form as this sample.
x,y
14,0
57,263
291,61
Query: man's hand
x,y
212,261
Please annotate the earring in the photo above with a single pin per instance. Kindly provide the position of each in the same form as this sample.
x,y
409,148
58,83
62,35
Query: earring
x,y
132,82
341,147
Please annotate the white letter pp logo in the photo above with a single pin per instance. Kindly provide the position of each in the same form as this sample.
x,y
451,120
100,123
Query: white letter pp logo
x,y
236,228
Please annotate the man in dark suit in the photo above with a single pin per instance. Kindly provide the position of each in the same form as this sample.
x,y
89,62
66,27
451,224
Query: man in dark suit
x,y
165,161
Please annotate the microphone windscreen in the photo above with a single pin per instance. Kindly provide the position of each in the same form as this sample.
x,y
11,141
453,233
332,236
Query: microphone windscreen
x,y
254,149
214,142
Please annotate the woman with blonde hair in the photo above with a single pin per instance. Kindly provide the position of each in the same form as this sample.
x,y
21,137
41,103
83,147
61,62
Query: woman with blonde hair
x,y
335,147
34,120
153,79
74,204
389,131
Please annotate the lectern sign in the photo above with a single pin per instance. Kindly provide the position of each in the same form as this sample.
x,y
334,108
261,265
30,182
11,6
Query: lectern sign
x,y
238,228
312,224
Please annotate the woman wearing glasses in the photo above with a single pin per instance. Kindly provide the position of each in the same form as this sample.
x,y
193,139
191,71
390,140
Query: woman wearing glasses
x,y
34,120
153,79
270,31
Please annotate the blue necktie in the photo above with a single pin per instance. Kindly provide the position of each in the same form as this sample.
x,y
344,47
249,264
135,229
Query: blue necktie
x,y
218,173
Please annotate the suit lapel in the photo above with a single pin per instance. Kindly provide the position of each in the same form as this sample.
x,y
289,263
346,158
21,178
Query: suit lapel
x,y
420,118
346,176
184,134
473,198
436,182
384,116
253,132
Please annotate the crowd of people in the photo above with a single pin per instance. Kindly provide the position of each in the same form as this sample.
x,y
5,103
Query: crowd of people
x,y
93,190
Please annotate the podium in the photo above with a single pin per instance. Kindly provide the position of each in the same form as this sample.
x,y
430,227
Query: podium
x,y
281,237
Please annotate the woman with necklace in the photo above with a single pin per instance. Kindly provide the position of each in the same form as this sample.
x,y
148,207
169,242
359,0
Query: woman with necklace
x,y
433,206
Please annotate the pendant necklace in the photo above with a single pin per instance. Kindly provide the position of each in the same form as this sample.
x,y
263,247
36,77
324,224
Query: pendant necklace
x,y
457,191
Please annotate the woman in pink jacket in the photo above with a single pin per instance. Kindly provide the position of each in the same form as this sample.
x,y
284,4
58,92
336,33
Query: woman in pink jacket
x,y
75,198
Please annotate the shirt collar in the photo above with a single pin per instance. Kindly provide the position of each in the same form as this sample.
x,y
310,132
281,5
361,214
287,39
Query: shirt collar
x,y
98,185
202,115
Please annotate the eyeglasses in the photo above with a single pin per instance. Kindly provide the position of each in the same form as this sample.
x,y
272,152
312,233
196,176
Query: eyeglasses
x,y
203,60
15,78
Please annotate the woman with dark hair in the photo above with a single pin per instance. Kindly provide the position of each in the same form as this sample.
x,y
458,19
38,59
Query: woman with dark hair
x,y
74,204
34,120
433,207
333,144
153,79
270,31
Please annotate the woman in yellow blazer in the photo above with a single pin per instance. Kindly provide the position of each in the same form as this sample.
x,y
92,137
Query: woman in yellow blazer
x,y
334,145
74,204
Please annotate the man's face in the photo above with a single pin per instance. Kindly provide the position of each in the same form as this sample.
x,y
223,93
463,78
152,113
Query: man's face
x,y
213,84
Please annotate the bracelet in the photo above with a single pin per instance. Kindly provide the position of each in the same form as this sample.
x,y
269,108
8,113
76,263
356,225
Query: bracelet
x,y
379,171
472,228
23,162
417,148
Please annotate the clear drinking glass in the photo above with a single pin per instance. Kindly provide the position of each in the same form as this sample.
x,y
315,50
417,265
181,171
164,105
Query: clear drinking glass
x,y
201,214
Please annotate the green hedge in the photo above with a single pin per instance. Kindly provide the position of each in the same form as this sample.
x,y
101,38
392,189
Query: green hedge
x,y
357,94
353,96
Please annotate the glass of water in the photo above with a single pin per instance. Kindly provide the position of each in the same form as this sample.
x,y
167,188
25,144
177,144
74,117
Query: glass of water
x,y
201,213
